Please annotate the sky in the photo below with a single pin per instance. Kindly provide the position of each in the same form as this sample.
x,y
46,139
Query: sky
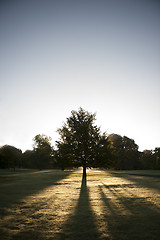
x,y
59,55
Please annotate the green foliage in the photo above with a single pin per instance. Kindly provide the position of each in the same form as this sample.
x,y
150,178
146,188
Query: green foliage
x,y
150,159
126,155
43,151
105,152
81,143
10,157
42,142
29,159
157,158
63,156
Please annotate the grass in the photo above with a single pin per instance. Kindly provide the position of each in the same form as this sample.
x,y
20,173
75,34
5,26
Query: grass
x,y
58,205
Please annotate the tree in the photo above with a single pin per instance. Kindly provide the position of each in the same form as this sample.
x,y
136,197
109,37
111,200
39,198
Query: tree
x,y
29,159
129,144
130,154
10,157
105,153
117,143
147,159
63,156
126,152
80,140
157,157
43,151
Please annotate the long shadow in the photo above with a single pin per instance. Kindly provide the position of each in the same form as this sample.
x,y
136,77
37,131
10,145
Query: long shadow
x,y
14,190
144,180
121,199
142,222
16,187
81,225
107,202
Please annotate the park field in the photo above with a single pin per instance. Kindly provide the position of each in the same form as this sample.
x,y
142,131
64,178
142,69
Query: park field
x,y
59,205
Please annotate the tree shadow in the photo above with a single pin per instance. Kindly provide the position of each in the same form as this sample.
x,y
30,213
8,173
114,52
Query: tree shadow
x,y
147,181
81,225
141,221
18,212
15,188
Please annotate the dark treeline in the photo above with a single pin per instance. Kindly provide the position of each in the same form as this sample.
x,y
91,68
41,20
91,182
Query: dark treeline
x,y
81,144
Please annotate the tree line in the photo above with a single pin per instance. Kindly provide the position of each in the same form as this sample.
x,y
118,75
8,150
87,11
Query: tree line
x,y
81,143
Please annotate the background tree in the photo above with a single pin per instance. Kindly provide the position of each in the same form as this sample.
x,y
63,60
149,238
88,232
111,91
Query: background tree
x,y
157,158
130,154
125,151
43,151
148,159
29,159
63,156
10,157
80,140
117,143
105,153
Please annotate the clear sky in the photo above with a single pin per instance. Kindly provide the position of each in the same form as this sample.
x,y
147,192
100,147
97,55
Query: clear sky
x,y
59,55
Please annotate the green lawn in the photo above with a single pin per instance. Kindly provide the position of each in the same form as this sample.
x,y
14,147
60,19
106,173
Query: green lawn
x,y
58,205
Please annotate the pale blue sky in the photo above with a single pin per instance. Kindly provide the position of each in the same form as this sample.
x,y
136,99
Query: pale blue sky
x,y
56,56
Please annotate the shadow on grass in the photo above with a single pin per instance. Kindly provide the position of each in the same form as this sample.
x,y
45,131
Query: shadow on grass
x,y
126,216
15,187
17,213
145,181
139,219
81,225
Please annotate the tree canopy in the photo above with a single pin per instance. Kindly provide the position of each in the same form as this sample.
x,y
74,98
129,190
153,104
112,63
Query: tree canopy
x,y
126,152
10,157
43,151
80,140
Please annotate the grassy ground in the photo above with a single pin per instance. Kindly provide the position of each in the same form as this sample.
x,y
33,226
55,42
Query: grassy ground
x,y
60,206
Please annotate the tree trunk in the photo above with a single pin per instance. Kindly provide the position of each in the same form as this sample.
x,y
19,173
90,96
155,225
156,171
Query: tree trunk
x,y
84,172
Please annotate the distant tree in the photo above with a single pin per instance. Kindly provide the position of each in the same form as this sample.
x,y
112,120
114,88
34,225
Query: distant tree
x,y
80,141
147,159
29,159
43,151
63,156
130,154
129,144
156,153
125,151
117,143
105,153
10,157
116,140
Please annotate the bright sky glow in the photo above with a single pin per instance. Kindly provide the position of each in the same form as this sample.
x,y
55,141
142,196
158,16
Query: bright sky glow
x,y
57,56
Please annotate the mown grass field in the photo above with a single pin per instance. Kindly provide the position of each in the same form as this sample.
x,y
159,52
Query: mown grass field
x,y
58,205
